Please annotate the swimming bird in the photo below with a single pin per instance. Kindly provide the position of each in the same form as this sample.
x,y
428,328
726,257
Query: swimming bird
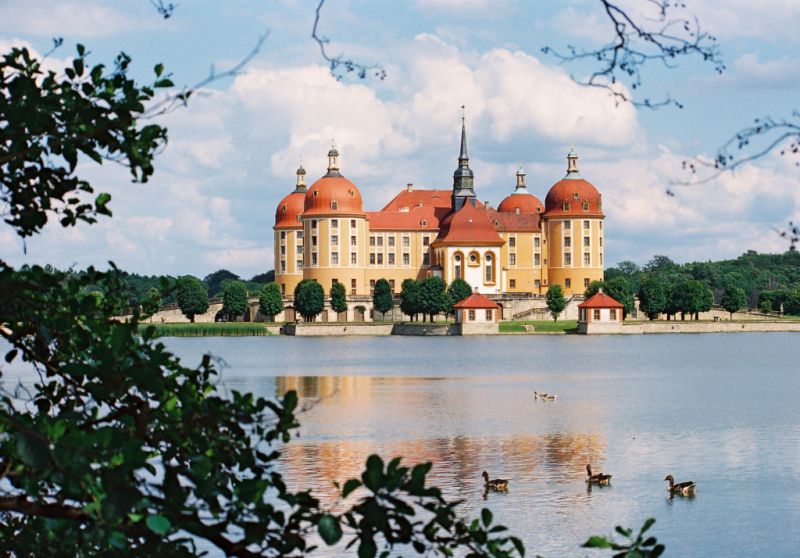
x,y
537,395
500,485
548,397
598,478
686,487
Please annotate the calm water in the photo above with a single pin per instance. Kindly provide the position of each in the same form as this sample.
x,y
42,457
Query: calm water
x,y
717,409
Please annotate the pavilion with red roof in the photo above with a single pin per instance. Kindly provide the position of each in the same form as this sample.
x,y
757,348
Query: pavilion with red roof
x,y
477,314
600,313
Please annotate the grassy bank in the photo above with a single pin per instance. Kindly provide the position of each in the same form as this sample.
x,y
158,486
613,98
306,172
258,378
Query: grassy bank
x,y
540,326
234,329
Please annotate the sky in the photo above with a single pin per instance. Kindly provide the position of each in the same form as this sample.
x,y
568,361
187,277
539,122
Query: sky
x,y
233,151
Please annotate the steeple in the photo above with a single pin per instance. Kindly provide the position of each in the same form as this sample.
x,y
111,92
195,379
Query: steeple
x,y
572,164
301,178
463,177
333,161
521,188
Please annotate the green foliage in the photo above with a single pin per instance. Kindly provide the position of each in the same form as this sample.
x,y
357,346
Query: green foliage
x,y
638,547
410,298
382,296
270,300
652,296
338,298
309,299
539,326
765,306
733,300
216,281
593,288
191,296
627,270
263,278
207,329
690,296
49,121
152,301
433,297
555,301
234,300
786,300
620,290
457,291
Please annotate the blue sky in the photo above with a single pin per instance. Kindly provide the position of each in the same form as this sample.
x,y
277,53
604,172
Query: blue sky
x,y
233,151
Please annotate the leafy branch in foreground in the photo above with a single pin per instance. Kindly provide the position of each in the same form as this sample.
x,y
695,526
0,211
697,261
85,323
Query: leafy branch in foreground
x,y
638,547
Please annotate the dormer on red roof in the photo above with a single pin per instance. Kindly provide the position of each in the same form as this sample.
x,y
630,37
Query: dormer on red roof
x,y
476,301
600,300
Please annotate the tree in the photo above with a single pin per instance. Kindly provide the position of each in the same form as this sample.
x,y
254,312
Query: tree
x,y
620,290
267,277
555,301
216,281
690,296
151,302
382,299
234,300
652,297
338,298
457,291
192,296
309,299
593,288
432,296
270,300
410,298
733,300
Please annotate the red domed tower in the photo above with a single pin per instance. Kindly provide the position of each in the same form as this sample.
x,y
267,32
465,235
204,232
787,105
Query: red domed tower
x,y
289,236
521,202
573,224
334,228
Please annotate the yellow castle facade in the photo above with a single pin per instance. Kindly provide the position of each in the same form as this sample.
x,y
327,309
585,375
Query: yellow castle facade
x,y
323,233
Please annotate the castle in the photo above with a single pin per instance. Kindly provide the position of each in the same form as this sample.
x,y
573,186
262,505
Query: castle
x,y
323,233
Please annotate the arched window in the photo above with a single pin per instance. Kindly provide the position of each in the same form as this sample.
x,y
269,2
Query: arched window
x,y
489,269
457,260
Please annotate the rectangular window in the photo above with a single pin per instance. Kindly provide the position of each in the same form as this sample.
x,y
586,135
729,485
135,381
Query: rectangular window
x,y
587,259
391,284
426,259
283,289
472,315
334,223
372,241
586,241
371,286
380,259
596,314
489,276
600,224
406,242
537,283
601,259
283,266
426,241
299,264
586,224
391,258
568,283
568,225
512,259
406,259
536,241
512,283
391,241
536,259
613,314
299,248
512,242
380,241
352,223
313,258
335,258
335,240
489,315
283,250
299,236
313,223
334,281
352,286
313,241
353,258
601,242
567,259
567,241
586,283
283,235
372,259
353,240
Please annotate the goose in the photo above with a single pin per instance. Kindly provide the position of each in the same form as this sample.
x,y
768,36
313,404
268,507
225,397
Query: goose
x,y
548,397
597,478
537,395
500,485
686,487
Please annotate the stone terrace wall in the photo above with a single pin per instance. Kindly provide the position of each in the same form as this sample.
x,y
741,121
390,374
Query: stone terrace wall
x,y
709,327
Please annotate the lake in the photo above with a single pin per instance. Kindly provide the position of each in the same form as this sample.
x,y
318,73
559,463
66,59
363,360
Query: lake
x,y
719,409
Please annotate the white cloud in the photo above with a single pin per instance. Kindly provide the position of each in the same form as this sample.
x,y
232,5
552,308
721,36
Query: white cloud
x,y
67,18
457,5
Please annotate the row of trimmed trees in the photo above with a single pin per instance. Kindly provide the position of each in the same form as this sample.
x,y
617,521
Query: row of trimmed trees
x,y
192,298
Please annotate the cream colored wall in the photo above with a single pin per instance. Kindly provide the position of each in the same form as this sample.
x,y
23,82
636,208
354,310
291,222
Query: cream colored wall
x,y
325,270
292,275
577,272
475,275
525,272
397,271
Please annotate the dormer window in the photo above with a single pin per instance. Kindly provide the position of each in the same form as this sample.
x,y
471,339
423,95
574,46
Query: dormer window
x,y
566,206
516,210
284,209
334,205
424,223
586,206
575,196
538,209
316,193
352,193
496,224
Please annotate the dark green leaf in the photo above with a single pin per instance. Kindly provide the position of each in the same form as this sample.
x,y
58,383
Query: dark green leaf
x,y
158,524
329,529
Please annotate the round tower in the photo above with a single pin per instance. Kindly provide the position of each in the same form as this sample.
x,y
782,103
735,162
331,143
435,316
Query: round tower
x,y
288,231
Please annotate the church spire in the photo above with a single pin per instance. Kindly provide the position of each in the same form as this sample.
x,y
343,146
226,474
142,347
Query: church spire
x,y
463,177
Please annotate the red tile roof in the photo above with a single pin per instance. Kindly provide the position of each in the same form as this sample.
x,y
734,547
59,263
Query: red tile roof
x,y
419,198
418,219
476,300
575,192
469,226
511,222
600,300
